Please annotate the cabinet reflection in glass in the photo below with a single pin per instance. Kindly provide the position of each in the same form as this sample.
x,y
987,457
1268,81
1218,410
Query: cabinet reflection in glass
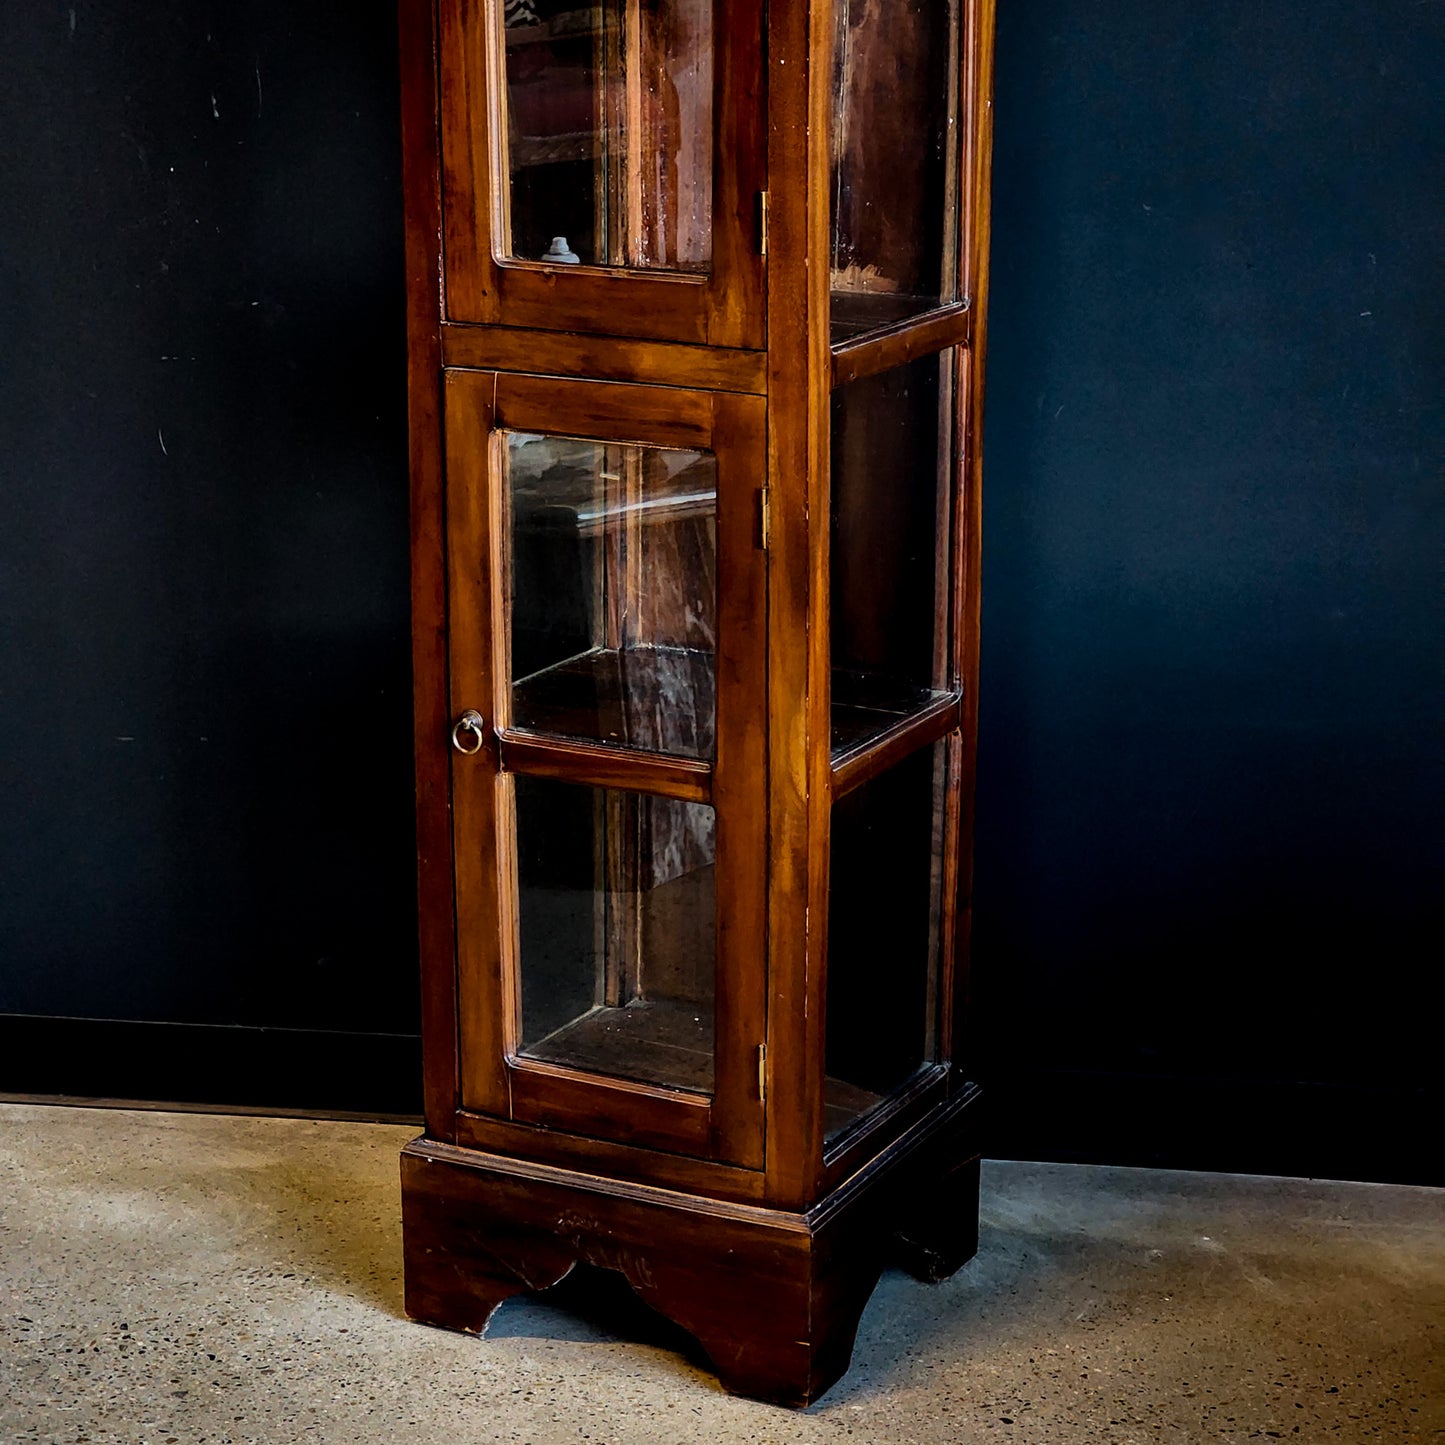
x,y
612,589
617,928
609,132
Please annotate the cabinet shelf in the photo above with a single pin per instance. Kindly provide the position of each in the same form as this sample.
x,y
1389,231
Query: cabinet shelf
x,y
652,699
660,700
867,705
854,313
664,1043
843,1103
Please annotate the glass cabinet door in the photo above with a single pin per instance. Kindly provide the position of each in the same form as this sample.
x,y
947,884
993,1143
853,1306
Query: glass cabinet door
x,y
896,709
617,932
886,964
611,590
607,128
896,150
612,142
892,559
608,782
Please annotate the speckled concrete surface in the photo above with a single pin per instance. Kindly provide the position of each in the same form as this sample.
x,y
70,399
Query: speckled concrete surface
x,y
199,1280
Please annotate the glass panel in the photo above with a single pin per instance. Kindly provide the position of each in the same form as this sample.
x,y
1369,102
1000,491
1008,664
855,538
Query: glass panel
x,y
894,161
617,930
890,567
613,592
609,132
885,897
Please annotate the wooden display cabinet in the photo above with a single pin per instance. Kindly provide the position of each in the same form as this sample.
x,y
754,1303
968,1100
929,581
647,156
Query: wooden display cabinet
x,y
696,319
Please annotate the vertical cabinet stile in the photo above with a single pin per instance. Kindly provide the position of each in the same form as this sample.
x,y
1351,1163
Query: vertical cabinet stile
x,y
477,849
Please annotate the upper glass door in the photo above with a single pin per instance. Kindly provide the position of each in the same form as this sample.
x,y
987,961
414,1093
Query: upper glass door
x,y
608,133
609,788
604,165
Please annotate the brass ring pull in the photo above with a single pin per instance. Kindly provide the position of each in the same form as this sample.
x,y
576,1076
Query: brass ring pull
x,y
468,726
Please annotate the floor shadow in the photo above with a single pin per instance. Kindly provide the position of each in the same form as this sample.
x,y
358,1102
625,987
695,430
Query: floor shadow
x,y
338,1226
593,1304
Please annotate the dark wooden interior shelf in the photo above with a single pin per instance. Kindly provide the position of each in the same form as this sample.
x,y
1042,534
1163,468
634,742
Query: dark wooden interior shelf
x,y
855,313
845,1104
626,697
664,1043
867,706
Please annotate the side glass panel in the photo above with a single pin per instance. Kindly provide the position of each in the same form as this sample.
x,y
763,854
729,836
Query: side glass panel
x,y
612,592
617,932
894,161
608,129
890,589
885,895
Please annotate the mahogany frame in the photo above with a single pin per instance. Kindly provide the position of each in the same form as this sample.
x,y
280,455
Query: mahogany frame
x,y
721,308
748,359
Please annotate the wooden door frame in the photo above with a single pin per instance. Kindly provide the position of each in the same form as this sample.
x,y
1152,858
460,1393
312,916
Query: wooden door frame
x,y
728,1125
723,307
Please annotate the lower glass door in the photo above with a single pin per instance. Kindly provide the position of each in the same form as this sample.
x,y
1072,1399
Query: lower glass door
x,y
617,932
609,790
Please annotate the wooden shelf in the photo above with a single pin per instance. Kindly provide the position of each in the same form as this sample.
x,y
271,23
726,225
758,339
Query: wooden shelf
x,y
656,699
844,1103
663,1043
855,313
866,706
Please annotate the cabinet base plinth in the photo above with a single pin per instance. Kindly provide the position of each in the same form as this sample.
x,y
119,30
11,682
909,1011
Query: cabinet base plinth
x,y
773,1297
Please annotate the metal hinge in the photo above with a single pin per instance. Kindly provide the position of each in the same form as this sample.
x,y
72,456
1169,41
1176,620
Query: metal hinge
x,y
762,1071
765,517
762,223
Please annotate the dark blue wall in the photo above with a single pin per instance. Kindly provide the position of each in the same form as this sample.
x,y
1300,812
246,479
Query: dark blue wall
x,y
1210,792
204,665
1211,789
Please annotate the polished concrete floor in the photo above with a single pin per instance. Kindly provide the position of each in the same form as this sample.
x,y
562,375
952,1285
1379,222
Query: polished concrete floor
x,y
200,1280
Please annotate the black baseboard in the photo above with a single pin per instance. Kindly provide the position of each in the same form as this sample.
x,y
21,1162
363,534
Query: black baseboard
x,y
281,1070
1239,1126
1245,1126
